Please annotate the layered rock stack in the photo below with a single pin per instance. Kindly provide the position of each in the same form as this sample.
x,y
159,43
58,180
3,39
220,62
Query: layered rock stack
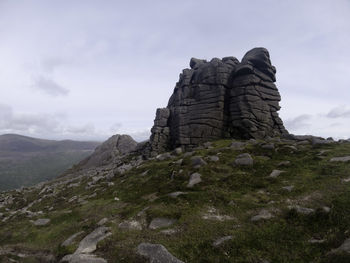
x,y
222,98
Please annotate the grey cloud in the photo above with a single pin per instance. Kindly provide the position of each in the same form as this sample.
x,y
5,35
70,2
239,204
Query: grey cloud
x,y
338,112
49,86
12,122
298,122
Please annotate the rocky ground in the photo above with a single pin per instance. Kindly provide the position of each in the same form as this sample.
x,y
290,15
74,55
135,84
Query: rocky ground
x,y
227,201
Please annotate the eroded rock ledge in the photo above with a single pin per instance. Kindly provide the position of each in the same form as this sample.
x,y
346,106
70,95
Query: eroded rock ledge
x,y
222,98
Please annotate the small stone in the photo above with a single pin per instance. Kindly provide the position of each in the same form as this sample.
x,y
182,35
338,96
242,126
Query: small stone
x,y
131,225
214,158
89,243
244,159
221,240
164,156
340,159
70,240
326,209
178,151
145,173
263,215
169,232
302,210
284,163
176,194
41,222
102,221
275,173
235,145
156,253
288,188
197,161
316,241
194,179
161,222
179,162
345,247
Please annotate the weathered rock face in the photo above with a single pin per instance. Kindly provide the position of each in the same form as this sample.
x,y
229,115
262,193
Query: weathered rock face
x,y
116,146
222,98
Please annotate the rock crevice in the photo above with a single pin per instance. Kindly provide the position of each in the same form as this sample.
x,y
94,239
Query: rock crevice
x,y
222,98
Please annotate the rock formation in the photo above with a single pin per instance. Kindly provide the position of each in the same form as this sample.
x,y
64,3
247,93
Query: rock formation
x,y
222,98
107,153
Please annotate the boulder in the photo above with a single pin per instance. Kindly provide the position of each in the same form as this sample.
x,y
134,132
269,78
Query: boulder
x,y
161,222
244,159
194,179
112,149
156,253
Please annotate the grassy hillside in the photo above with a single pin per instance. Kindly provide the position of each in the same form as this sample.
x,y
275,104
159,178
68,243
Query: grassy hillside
x,y
27,161
301,215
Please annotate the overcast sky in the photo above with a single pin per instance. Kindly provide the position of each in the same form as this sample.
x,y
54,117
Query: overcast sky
x,y
89,69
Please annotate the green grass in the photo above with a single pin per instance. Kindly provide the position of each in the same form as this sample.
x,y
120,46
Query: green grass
x,y
239,192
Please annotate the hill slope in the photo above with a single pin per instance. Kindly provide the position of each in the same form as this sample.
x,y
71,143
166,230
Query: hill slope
x,y
26,161
250,201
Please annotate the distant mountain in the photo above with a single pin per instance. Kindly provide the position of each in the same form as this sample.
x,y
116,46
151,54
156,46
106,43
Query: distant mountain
x,y
26,161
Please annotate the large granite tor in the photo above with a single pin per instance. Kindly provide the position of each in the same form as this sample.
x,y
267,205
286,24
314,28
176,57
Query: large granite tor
x,y
222,98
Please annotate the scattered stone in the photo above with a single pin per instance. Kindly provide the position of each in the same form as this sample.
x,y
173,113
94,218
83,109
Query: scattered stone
x,y
197,161
130,225
188,154
275,173
41,222
82,258
346,180
164,156
89,243
194,179
326,209
316,241
221,240
288,188
161,222
213,215
178,151
70,240
74,198
156,253
284,163
244,159
302,210
345,247
235,145
179,162
102,221
214,158
263,215
145,173
207,145
169,232
341,159
176,194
